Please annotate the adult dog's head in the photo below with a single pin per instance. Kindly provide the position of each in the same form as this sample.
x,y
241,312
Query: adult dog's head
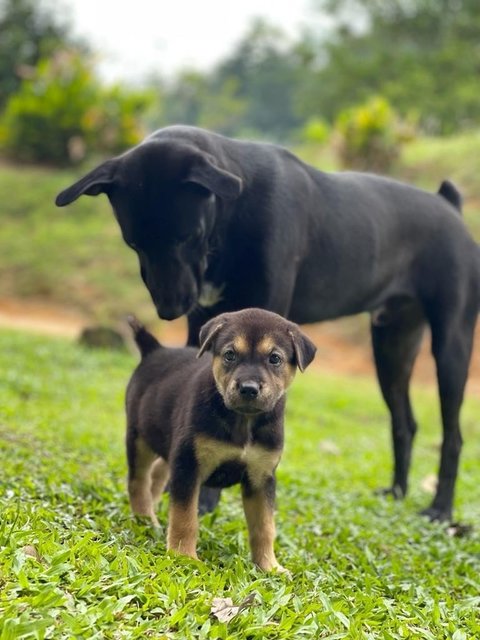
x,y
164,195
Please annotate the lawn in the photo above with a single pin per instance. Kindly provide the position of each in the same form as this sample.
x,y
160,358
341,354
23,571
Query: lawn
x,y
75,564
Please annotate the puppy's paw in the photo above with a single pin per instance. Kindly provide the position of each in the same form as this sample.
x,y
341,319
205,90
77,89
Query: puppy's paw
x,y
150,518
272,565
191,555
282,570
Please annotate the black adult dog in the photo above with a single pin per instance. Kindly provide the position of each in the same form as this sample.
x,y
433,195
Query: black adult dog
x,y
221,224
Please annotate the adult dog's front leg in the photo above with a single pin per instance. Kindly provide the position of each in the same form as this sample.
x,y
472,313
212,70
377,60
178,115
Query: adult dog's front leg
x,y
258,505
183,512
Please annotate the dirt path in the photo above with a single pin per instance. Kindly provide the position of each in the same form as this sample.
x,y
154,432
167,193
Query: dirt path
x,y
336,351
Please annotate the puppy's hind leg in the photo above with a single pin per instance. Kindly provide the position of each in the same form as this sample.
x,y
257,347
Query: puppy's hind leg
x,y
183,509
140,460
160,474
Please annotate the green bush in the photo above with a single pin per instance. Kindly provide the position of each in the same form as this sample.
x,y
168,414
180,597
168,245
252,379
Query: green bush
x,y
369,137
315,130
62,112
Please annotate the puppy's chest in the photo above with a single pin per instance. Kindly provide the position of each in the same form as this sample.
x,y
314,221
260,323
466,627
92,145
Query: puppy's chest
x,y
222,464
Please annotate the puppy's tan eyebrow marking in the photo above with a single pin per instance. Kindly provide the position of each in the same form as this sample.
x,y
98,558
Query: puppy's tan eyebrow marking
x,y
240,344
266,345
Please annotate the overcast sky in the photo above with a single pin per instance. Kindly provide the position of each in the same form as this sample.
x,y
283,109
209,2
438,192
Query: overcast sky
x,y
135,37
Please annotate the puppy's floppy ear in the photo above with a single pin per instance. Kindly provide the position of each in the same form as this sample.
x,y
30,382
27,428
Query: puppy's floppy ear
x,y
220,182
92,184
303,347
208,333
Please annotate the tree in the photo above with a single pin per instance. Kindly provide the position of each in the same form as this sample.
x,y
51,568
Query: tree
x,y
63,111
422,55
29,31
266,72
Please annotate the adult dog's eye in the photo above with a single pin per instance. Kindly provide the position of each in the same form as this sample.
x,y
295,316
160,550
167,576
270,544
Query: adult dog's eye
x,y
182,239
230,355
275,359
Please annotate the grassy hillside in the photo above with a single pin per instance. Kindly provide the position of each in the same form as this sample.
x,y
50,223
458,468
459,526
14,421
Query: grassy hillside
x,y
72,256
75,256
75,564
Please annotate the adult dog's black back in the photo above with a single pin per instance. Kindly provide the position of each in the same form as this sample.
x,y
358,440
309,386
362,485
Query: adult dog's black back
x,y
220,225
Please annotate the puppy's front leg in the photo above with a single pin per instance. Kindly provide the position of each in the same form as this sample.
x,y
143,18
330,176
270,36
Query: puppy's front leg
x,y
184,491
258,504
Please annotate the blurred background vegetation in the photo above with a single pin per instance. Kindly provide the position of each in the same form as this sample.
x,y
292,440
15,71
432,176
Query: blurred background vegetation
x,y
391,86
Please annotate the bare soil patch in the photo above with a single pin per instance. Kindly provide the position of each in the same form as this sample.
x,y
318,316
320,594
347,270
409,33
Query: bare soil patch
x,y
338,351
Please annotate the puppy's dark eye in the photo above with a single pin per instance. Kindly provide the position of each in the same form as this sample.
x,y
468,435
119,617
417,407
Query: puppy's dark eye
x,y
230,356
275,359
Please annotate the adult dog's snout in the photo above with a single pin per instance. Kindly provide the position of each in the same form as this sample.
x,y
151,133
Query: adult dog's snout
x,y
174,291
170,303
173,309
169,313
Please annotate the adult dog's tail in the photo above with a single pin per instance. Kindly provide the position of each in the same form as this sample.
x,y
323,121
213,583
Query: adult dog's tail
x,y
145,341
450,192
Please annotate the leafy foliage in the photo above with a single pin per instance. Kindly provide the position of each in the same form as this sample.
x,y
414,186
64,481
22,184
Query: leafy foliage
x,y
63,111
422,56
369,136
419,54
194,99
315,130
251,92
29,30
267,74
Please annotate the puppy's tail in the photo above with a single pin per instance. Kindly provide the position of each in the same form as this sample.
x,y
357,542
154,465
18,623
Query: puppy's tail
x,y
450,192
145,341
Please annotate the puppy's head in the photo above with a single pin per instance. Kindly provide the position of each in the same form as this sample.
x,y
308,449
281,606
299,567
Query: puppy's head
x,y
164,195
255,356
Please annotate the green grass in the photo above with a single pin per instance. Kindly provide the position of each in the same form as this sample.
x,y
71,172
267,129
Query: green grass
x,y
427,161
362,566
71,256
75,256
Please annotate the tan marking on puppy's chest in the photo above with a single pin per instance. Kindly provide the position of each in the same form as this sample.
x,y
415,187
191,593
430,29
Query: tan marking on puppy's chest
x,y
259,462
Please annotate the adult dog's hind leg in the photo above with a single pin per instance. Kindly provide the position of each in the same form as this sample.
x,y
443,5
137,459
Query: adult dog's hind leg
x,y
452,342
396,338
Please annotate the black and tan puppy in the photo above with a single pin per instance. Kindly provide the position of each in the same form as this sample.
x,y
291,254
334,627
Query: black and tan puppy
x,y
216,421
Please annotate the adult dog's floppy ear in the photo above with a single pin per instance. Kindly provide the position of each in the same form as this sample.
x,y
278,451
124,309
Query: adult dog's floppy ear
x,y
220,182
92,184
208,333
303,347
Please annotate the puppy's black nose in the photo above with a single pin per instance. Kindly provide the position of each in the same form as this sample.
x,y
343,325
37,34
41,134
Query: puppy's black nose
x,y
249,389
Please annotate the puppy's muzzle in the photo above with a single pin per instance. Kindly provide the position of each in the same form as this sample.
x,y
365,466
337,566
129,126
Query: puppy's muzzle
x,y
249,397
